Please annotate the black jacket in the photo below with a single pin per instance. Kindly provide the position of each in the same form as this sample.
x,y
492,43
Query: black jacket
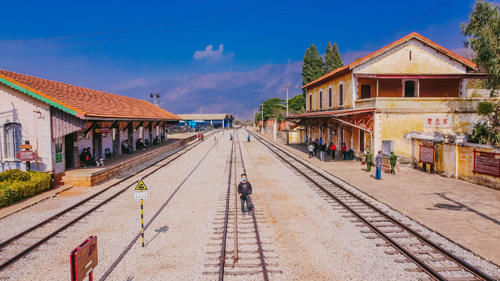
x,y
245,188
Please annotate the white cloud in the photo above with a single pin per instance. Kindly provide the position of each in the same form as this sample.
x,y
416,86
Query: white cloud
x,y
209,53
139,82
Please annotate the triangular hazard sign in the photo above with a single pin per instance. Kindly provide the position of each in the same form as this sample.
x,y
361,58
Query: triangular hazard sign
x,y
141,186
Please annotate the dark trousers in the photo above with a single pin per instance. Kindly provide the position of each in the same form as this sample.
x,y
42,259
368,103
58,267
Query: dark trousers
x,y
333,154
245,199
345,155
311,154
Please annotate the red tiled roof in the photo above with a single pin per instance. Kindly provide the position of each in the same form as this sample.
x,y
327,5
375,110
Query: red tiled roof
x,y
408,37
88,103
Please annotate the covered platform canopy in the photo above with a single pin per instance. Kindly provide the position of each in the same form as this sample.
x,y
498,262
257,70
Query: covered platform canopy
x,y
80,120
217,120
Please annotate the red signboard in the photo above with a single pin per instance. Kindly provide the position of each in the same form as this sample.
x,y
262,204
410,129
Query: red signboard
x,y
487,163
26,155
84,259
426,154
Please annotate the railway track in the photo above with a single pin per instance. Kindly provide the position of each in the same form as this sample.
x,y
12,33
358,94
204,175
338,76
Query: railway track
x,y
415,248
241,250
19,245
134,240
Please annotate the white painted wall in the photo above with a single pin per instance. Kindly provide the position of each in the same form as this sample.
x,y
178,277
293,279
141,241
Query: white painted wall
x,y
20,108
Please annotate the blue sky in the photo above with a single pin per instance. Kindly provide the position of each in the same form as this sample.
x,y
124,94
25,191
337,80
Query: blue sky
x,y
114,45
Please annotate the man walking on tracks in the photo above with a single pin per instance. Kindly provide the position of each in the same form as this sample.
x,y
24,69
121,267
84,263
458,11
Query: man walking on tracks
x,y
245,189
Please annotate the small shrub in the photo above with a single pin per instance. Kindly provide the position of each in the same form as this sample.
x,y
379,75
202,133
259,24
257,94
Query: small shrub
x,y
15,190
13,175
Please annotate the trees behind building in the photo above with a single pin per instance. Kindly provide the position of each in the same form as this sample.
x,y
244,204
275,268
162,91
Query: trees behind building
x,y
332,57
482,33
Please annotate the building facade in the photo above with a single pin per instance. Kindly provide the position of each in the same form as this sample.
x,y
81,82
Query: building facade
x,y
410,93
60,120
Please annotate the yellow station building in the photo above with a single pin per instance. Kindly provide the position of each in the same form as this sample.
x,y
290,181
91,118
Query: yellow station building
x,y
411,92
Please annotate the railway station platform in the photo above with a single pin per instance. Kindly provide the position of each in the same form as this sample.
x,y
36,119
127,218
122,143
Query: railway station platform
x,y
120,163
466,213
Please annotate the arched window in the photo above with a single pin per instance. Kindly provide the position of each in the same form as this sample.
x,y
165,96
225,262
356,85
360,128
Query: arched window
x,y
341,95
310,102
320,100
330,97
12,139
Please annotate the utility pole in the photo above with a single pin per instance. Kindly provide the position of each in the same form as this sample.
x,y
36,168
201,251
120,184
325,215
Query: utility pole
x,y
286,87
155,97
262,111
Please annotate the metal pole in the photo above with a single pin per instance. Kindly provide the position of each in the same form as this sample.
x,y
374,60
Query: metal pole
x,y
142,222
262,111
286,87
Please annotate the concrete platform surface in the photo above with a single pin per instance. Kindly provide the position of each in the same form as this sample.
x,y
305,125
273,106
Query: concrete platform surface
x,y
466,213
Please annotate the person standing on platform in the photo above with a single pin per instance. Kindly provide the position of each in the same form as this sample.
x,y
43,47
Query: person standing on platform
x,y
344,150
310,148
369,160
244,190
378,163
333,148
393,160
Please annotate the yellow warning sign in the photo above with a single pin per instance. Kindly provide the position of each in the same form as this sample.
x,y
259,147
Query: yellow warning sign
x,y
141,186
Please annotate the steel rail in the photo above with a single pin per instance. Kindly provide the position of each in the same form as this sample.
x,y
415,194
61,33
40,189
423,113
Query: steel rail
x,y
157,213
256,228
222,258
428,269
78,204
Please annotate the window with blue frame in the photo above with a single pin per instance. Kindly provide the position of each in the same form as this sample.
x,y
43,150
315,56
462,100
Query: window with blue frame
x,y
13,139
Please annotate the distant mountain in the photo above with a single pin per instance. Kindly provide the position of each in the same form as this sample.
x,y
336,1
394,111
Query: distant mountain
x,y
238,93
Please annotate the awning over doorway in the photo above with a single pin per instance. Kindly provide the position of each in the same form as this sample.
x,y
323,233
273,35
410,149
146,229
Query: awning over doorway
x,y
63,123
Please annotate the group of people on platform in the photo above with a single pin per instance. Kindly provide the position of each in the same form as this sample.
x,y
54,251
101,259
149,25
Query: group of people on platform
x,y
88,160
317,146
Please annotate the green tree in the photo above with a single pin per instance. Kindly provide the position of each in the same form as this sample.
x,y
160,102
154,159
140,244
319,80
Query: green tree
x,y
338,58
332,57
273,109
313,66
483,36
297,104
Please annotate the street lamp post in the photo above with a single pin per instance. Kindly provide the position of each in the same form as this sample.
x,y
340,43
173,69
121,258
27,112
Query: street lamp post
x,y
155,97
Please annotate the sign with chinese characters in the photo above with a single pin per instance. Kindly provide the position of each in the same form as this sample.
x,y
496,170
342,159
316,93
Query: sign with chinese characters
x,y
437,121
487,163
426,154
26,155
